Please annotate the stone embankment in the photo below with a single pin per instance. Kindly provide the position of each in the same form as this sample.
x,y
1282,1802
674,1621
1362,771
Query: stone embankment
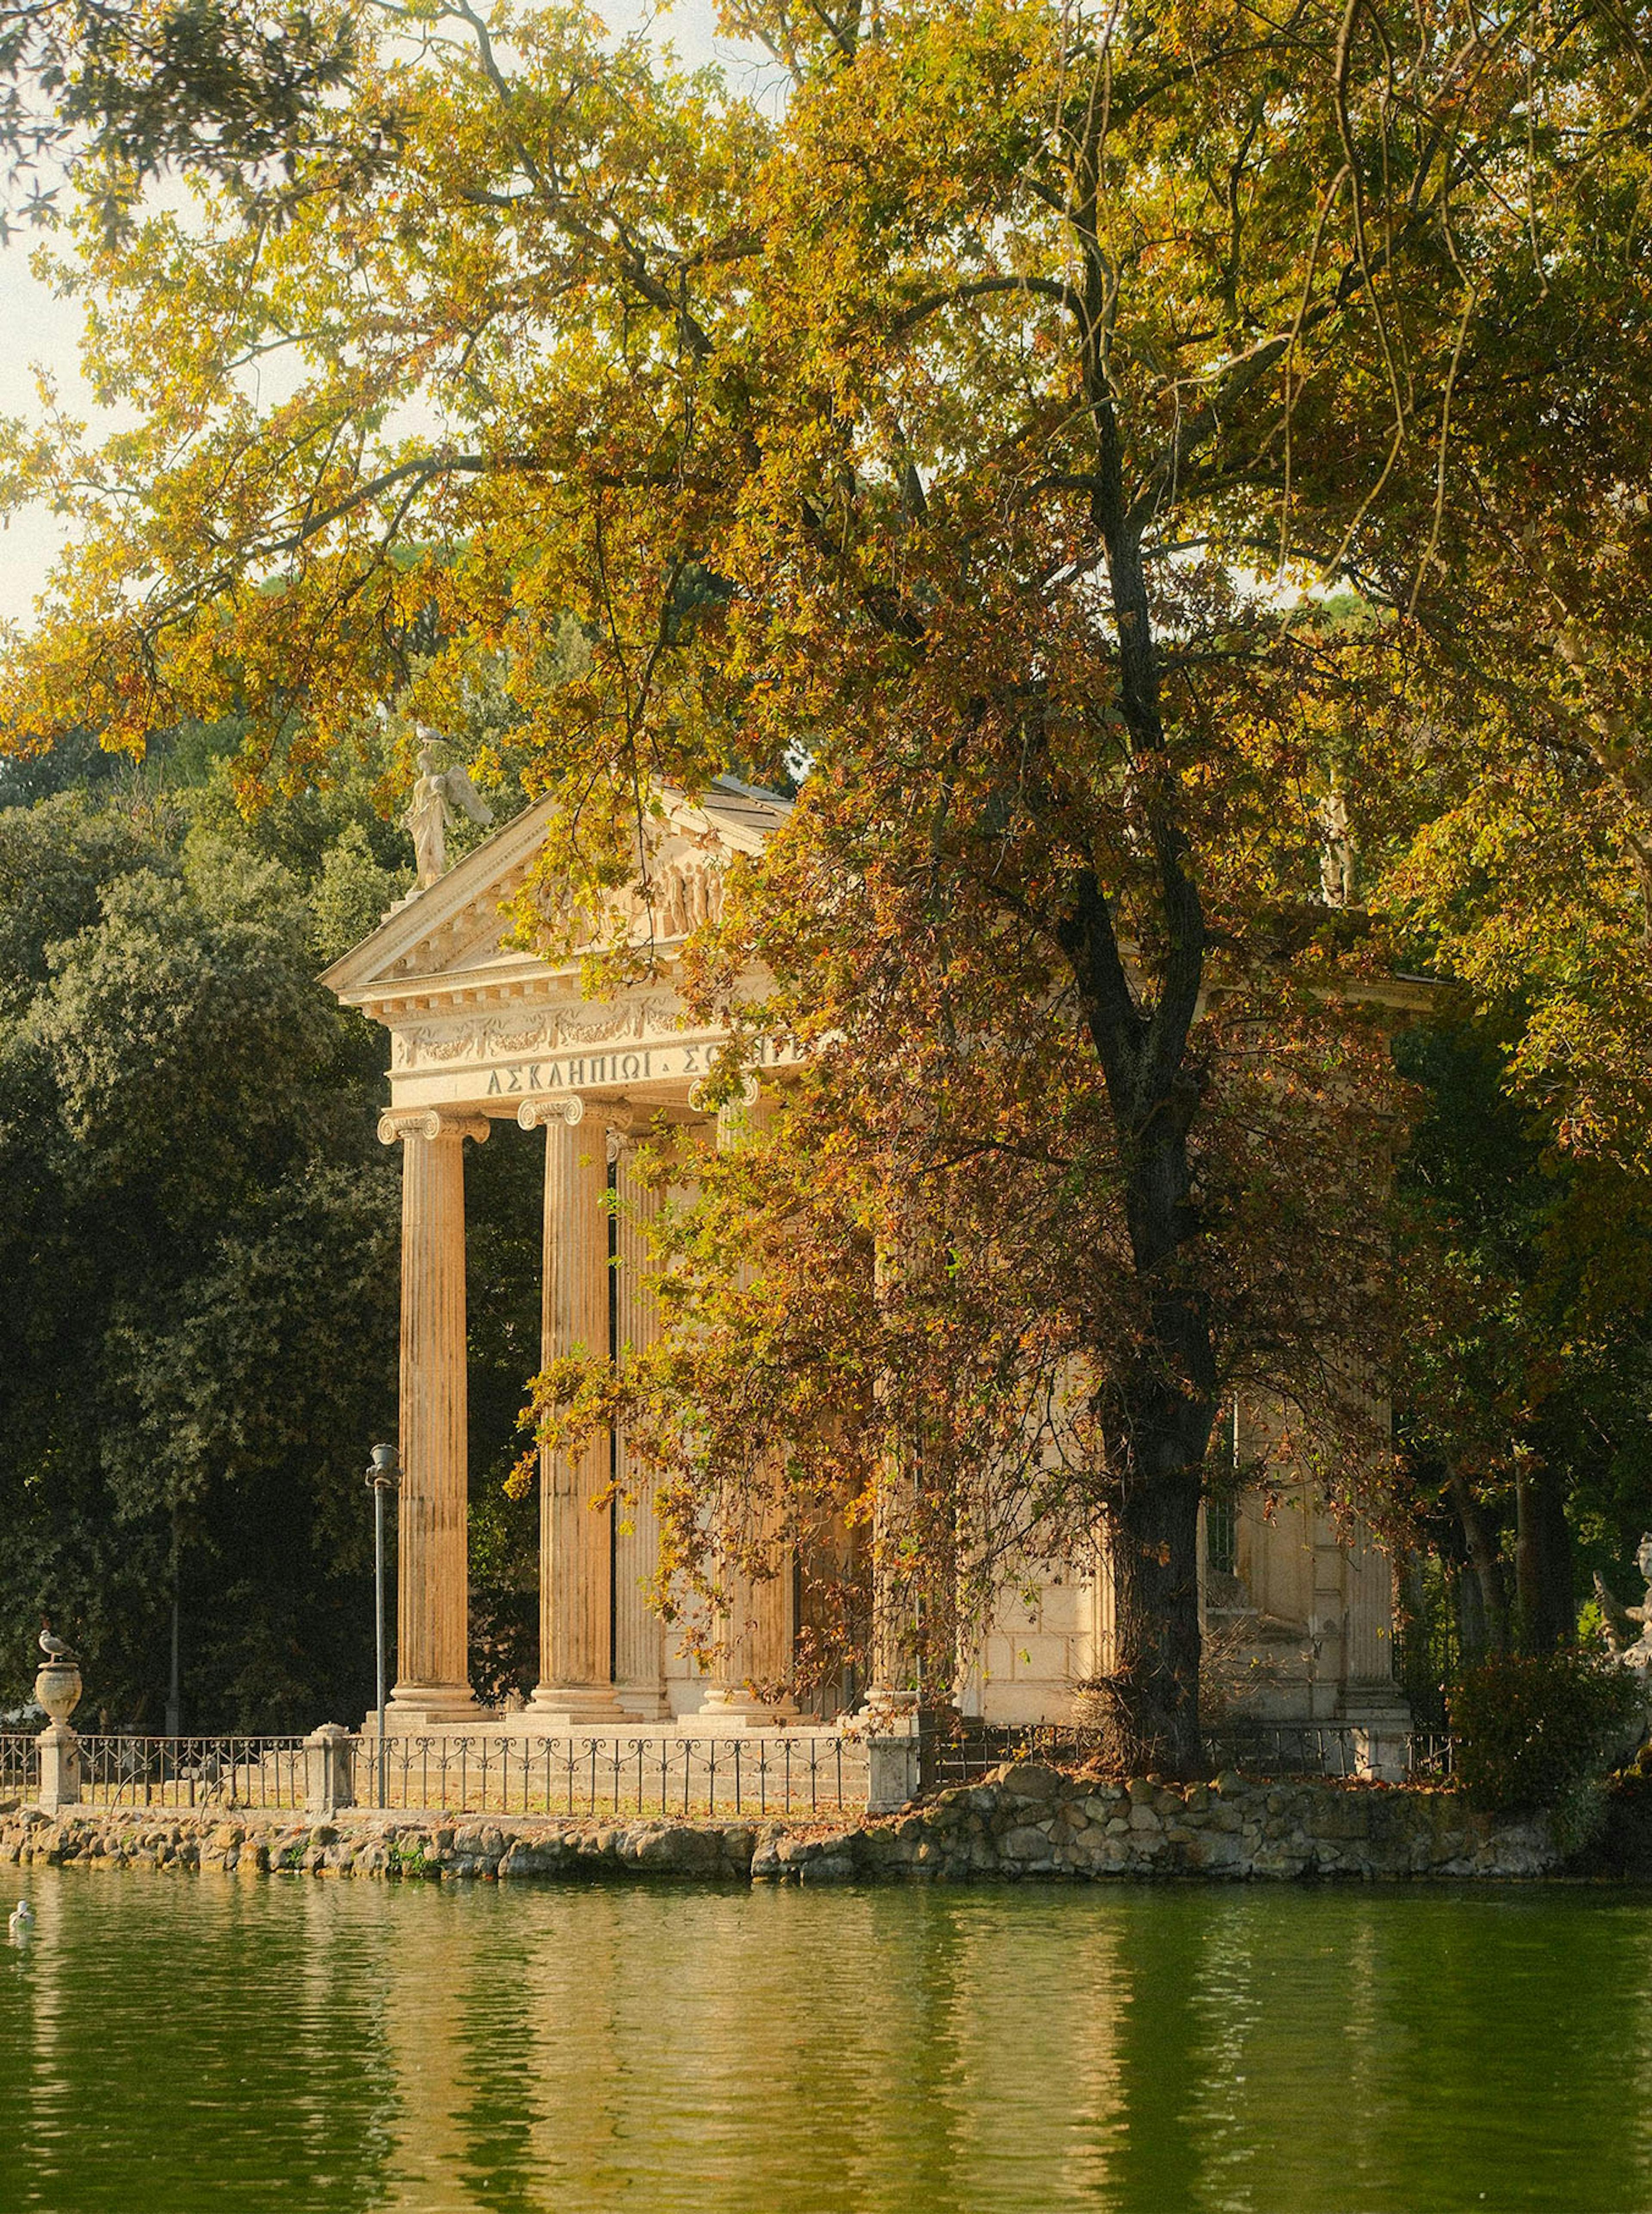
x,y
1025,1819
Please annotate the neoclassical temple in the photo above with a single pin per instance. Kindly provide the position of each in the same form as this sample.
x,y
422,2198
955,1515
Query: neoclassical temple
x,y
482,1033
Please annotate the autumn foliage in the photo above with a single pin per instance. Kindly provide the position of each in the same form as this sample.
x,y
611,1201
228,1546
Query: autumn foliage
x,y
977,430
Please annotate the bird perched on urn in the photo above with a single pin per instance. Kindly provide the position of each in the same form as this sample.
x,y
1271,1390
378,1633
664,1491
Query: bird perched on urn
x,y
19,1926
52,1646
437,796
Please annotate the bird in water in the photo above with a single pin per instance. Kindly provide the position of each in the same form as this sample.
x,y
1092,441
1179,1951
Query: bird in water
x,y
21,1926
51,1645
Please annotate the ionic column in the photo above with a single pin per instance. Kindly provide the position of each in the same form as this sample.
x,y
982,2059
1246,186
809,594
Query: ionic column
x,y
639,1633
432,1562
891,1688
914,1655
1101,1645
576,1564
754,1633
754,1646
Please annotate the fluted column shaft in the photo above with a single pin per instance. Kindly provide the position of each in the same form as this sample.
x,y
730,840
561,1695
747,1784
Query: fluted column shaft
x,y
754,1633
575,1536
639,1633
890,1670
433,1562
913,1657
754,1644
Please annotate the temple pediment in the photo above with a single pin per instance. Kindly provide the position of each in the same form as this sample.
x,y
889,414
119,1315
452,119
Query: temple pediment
x,y
476,1022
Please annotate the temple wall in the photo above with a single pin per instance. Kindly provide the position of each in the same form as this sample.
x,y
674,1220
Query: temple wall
x,y
1300,1629
1034,1651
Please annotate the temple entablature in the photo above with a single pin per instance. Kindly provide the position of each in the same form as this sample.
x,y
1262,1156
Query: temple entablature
x,y
476,1022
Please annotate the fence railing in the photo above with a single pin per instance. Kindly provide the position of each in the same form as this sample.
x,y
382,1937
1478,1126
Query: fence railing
x,y
1286,1749
661,1775
193,1771
20,1766
1261,1750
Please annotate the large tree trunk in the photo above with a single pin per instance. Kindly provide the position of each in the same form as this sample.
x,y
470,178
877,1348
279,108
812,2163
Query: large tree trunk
x,y
1472,1636
1158,1420
1151,1690
1486,1562
1159,1410
1543,1560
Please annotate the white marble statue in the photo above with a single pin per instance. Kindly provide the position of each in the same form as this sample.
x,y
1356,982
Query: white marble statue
x,y
438,795
1634,1652
1640,1653
1628,1651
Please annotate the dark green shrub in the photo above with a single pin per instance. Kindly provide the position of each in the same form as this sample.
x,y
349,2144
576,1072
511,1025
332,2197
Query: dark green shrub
x,y
1537,1734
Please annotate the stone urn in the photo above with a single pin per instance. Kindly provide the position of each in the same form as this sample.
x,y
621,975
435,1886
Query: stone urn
x,y
57,1687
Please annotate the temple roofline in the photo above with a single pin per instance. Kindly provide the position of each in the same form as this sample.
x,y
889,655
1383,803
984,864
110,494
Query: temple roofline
x,y
469,894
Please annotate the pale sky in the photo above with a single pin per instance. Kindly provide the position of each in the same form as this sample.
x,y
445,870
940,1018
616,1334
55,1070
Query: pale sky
x,y
37,328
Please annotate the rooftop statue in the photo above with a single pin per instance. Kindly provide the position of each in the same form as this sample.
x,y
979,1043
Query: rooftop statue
x,y
439,795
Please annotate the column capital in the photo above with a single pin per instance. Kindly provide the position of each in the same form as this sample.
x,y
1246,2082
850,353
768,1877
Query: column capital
x,y
430,1122
622,1122
700,1100
552,1107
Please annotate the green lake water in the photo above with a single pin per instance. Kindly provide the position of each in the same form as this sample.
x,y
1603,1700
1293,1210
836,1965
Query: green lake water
x,y
170,2044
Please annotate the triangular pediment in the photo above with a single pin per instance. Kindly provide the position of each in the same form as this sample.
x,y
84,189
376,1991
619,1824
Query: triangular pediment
x,y
447,937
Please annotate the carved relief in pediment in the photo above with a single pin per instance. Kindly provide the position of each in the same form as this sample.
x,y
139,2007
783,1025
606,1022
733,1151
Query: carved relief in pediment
x,y
682,892
679,889
470,938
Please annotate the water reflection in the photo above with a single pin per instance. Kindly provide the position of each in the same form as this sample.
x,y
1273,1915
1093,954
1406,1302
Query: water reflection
x,y
169,2045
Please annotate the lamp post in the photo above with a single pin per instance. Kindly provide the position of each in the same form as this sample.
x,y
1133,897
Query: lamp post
x,y
384,1474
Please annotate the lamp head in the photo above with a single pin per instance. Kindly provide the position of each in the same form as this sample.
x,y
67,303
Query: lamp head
x,y
385,1471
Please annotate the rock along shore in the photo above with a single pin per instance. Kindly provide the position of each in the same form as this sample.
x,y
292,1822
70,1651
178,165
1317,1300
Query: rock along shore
x,y
1025,1819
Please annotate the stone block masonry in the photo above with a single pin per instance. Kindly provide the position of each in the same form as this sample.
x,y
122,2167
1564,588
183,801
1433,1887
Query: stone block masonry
x,y
1023,1820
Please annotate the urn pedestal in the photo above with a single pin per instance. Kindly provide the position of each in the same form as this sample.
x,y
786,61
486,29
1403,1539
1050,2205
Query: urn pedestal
x,y
58,1688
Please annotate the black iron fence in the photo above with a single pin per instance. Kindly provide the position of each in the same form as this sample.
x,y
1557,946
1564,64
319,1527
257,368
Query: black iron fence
x,y
663,1774
1286,1749
20,1766
121,1771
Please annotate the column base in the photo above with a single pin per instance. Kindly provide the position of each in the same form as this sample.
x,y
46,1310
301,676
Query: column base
x,y
573,1706
423,1706
741,1710
642,1703
890,1714
59,1768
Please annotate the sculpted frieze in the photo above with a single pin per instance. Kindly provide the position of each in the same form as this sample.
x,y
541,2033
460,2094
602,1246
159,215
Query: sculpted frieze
x,y
498,1038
